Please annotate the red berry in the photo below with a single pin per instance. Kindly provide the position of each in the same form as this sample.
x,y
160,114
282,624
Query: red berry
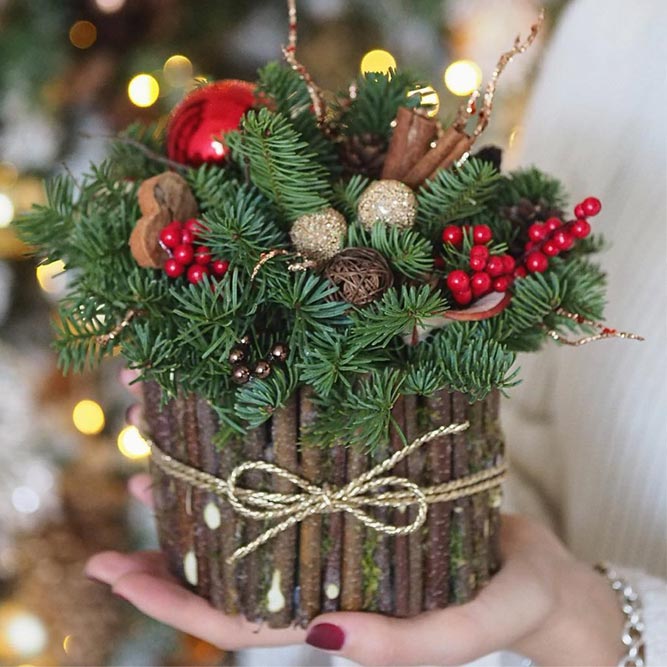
x,y
520,272
480,283
501,284
580,229
203,255
463,298
452,234
563,239
184,254
508,263
479,251
495,267
196,272
458,281
536,262
579,211
439,262
537,232
550,249
171,236
477,263
173,269
591,206
530,245
195,226
187,237
552,224
481,234
220,266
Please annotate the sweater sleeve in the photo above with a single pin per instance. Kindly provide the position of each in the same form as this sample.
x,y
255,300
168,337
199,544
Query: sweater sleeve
x,y
653,596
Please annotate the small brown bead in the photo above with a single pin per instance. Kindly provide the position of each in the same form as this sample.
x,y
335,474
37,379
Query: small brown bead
x,y
237,355
279,352
241,374
262,369
245,340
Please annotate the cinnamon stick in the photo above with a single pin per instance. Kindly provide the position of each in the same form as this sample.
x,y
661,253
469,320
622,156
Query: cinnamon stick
x,y
462,514
410,141
401,547
415,463
280,598
432,160
311,528
436,589
353,544
462,146
331,580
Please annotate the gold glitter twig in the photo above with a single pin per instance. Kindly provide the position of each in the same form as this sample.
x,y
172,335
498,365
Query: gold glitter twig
x,y
264,258
105,339
289,52
503,61
605,332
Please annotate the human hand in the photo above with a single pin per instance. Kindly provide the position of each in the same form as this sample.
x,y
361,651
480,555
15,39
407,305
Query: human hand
x,y
543,604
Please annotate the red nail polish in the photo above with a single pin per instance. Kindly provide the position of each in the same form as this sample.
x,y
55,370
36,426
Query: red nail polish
x,y
326,636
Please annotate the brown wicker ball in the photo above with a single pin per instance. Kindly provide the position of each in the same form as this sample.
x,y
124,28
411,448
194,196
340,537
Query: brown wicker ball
x,y
361,274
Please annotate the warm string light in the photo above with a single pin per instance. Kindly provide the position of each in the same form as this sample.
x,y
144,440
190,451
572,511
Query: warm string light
x,y
143,90
22,633
132,444
462,77
378,60
88,417
83,34
178,70
6,210
109,6
51,276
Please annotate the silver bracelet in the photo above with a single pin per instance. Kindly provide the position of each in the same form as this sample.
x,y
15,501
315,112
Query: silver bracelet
x,y
633,629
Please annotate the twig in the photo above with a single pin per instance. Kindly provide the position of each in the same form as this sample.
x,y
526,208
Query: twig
x,y
105,339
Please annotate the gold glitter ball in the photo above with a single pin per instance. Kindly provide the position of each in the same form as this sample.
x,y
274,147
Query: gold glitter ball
x,y
319,236
387,201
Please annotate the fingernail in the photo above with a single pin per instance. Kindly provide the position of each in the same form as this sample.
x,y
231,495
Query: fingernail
x,y
326,636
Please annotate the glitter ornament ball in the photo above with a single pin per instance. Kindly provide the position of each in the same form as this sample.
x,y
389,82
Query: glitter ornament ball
x,y
319,236
388,201
198,124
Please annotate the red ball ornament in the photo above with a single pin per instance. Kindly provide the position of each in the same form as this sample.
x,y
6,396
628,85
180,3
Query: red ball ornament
x,y
219,267
184,254
203,255
591,206
196,273
580,229
173,268
536,262
495,267
452,234
480,283
171,235
537,232
458,281
198,124
481,234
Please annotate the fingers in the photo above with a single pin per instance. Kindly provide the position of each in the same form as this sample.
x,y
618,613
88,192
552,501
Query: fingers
x,y
171,604
128,378
134,416
109,566
141,487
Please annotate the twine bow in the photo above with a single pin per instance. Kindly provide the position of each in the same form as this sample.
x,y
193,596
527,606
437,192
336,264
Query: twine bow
x,y
367,490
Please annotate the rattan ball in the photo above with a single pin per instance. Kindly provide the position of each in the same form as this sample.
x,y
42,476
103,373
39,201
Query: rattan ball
x,y
388,201
361,274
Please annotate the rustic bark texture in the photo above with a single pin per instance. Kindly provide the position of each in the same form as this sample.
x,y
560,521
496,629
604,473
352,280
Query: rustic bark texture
x,y
438,452
284,432
353,543
310,548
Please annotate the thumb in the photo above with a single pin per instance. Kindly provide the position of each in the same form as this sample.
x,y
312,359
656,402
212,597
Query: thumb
x,y
445,637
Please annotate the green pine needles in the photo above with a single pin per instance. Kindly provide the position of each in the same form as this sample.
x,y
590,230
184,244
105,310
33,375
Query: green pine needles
x,y
356,360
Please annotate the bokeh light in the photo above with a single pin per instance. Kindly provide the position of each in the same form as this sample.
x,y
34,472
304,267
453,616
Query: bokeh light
x,y
50,276
143,90
109,6
132,444
429,99
25,500
88,417
462,77
177,70
378,60
83,34
6,210
22,633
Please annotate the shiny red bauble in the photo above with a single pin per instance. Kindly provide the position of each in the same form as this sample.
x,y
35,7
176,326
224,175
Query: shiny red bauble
x,y
197,126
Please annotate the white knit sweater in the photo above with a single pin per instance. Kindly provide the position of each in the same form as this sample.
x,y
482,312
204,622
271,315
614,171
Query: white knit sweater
x,y
586,429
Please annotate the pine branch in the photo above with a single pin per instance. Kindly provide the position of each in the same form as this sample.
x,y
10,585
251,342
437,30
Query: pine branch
x,y
346,195
257,400
453,195
531,184
281,165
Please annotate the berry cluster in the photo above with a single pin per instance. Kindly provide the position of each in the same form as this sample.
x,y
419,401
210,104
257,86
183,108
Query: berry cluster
x,y
549,238
239,358
186,255
487,272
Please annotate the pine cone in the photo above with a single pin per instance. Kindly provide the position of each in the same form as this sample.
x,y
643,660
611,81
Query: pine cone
x,y
526,212
363,154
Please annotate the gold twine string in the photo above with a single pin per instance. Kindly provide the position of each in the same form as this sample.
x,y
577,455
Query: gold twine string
x,y
276,252
605,331
289,52
364,491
